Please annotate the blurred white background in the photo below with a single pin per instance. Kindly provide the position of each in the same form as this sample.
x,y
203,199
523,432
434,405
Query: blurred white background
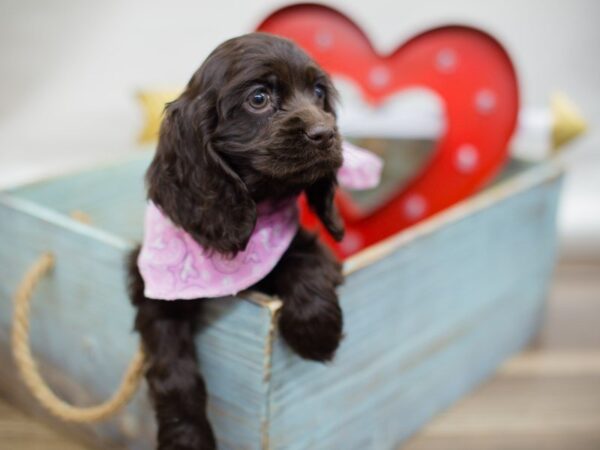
x,y
70,70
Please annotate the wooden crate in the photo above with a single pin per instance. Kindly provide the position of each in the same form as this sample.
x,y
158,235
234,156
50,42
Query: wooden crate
x,y
429,314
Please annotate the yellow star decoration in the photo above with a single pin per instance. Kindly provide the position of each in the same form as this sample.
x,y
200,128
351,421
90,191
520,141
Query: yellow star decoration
x,y
153,104
567,121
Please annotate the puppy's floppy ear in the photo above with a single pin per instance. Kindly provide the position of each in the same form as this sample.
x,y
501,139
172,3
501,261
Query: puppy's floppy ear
x,y
320,196
193,185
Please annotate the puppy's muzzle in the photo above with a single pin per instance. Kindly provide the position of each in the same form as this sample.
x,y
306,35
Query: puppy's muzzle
x,y
320,134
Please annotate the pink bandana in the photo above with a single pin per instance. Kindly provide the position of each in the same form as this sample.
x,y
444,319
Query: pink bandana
x,y
174,266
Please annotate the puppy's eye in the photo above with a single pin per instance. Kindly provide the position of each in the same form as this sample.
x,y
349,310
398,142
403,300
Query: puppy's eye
x,y
259,100
319,91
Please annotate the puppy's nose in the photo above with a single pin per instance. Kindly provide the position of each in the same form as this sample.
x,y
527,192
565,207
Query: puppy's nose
x,y
320,133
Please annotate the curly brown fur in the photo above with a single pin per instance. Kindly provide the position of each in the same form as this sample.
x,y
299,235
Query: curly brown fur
x,y
255,122
305,279
176,388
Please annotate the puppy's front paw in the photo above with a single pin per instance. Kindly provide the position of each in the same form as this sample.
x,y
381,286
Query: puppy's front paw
x,y
312,329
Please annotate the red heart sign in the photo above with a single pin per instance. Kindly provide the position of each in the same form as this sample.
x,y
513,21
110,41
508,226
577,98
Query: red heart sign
x,y
470,72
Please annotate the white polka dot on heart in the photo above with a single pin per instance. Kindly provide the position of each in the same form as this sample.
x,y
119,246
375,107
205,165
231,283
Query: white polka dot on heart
x,y
445,60
324,40
466,158
415,206
379,77
485,101
352,241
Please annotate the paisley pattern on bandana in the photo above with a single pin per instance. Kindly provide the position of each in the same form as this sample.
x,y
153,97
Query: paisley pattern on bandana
x,y
175,266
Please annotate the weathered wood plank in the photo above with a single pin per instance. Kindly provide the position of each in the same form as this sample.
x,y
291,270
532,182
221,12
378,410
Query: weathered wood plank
x,y
112,196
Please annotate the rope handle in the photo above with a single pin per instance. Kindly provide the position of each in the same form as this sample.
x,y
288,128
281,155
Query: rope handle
x,y
29,370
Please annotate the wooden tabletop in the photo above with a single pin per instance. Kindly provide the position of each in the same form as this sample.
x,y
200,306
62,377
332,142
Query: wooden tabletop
x,y
546,398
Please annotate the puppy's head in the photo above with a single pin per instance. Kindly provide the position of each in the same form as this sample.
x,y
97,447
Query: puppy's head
x,y
255,122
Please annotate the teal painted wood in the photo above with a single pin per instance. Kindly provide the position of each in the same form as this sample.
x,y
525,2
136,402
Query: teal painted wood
x,y
113,196
429,313
82,322
442,294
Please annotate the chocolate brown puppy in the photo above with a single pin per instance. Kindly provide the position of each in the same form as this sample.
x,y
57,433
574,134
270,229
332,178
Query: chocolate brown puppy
x,y
255,123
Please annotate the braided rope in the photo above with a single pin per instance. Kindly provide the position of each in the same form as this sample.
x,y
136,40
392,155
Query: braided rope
x,y
28,368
